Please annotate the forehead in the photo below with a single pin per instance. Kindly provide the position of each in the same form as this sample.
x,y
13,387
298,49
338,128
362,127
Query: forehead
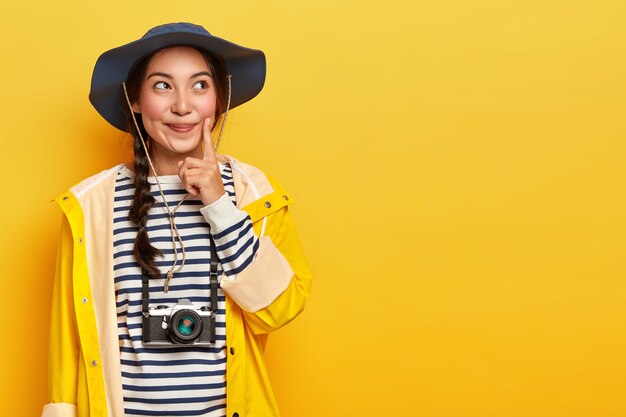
x,y
178,59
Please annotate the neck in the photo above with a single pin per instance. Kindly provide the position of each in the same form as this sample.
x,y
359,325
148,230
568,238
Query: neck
x,y
166,162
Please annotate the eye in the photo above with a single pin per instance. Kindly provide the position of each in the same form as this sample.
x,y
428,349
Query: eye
x,y
200,85
161,85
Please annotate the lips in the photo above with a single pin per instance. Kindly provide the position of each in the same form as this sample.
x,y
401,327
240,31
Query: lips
x,y
181,127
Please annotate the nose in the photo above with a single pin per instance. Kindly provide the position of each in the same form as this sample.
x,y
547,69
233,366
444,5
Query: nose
x,y
181,104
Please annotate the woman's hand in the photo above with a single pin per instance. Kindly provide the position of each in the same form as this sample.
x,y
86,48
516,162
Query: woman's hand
x,y
202,177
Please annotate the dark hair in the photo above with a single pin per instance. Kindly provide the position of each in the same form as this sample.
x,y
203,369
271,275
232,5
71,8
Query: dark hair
x,y
143,201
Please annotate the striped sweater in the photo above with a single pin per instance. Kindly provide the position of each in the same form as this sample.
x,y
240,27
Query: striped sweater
x,y
176,380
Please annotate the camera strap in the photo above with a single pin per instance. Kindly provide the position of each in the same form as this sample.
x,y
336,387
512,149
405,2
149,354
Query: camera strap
x,y
213,283
145,302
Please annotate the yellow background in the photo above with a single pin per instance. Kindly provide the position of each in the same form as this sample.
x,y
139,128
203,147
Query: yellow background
x,y
459,172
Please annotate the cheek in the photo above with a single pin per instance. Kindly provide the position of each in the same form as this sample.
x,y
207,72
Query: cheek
x,y
206,106
152,107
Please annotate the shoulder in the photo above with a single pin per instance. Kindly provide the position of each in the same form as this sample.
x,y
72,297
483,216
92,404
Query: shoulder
x,y
250,181
90,198
250,172
95,181
257,193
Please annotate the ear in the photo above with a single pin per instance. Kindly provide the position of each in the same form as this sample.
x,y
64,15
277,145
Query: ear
x,y
135,107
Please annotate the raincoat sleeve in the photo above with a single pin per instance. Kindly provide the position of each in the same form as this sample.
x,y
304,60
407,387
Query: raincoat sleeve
x,y
64,349
272,290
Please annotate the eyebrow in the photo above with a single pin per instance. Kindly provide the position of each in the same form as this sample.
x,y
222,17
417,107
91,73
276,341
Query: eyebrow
x,y
168,76
201,73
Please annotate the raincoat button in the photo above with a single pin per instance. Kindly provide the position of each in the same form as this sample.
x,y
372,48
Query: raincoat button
x,y
232,350
94,363
285,197
84,300
80,240
235,414
268,204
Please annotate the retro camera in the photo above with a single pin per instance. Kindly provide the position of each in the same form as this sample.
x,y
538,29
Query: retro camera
x,y
183,324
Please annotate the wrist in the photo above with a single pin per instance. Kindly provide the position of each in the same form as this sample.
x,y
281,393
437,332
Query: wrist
x,y
210,197
222,213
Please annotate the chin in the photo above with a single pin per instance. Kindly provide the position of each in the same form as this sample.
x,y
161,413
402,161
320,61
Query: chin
x,y
178,143
183,146
182,150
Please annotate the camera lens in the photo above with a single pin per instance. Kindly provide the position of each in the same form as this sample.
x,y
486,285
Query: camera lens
x,y
185,326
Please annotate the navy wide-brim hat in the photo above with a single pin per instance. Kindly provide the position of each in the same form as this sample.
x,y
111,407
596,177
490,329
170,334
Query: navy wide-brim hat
x,y
245,66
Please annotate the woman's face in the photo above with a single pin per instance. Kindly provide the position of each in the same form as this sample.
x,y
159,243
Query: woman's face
x,y
177,94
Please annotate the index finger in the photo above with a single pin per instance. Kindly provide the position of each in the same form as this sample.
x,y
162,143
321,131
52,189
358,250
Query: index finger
x,y
209,152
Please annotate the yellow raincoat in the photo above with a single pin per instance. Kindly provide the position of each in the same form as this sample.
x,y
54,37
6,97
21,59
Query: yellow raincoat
x,y
84,360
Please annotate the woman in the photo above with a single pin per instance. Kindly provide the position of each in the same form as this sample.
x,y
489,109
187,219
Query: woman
x,y
140,325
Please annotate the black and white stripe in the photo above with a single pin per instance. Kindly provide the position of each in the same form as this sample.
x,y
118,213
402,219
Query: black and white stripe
x,y
176,380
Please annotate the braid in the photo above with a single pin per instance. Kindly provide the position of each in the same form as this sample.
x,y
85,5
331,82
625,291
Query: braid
x,y
143,201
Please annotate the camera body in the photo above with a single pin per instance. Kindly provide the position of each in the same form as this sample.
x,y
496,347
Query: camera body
x,y
183,324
